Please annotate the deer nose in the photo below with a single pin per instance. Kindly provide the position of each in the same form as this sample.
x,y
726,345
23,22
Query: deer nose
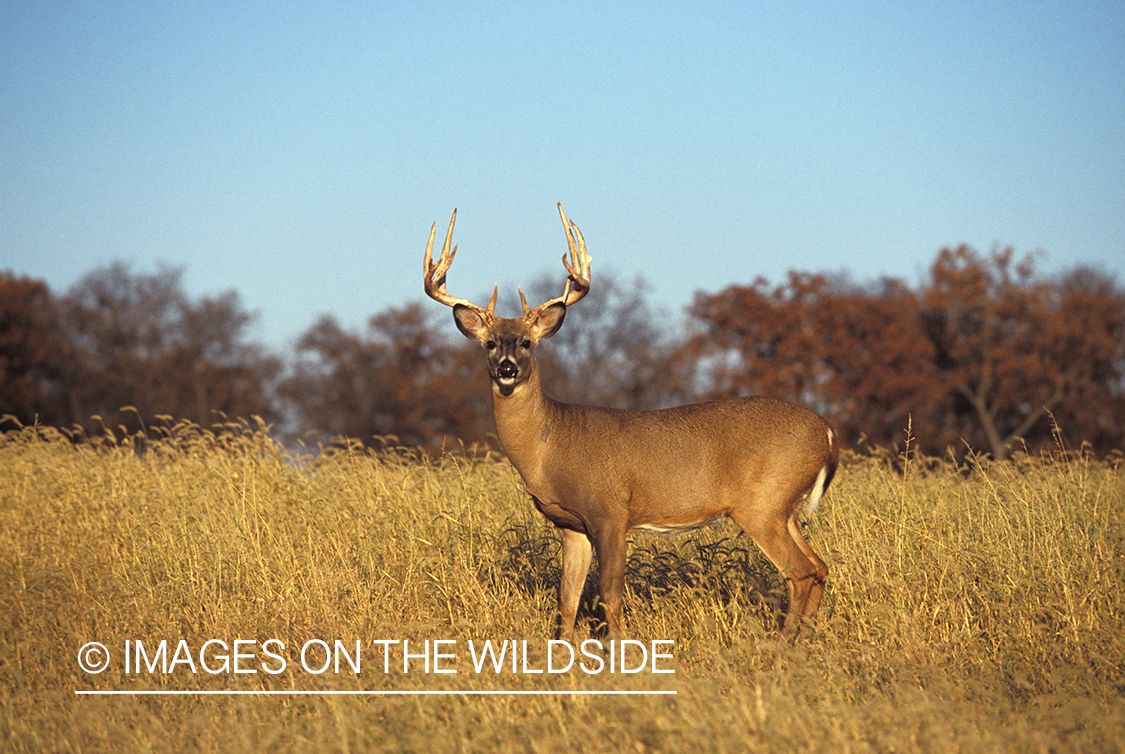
x,y
507,370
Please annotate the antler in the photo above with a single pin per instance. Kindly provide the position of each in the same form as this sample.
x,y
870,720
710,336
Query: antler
x,y
436,290
578,266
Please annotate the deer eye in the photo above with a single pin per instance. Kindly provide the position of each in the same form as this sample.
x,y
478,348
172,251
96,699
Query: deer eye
x,y
526,343
490,345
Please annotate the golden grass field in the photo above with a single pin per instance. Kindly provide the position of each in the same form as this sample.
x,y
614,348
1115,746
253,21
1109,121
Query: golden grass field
x,y
972,611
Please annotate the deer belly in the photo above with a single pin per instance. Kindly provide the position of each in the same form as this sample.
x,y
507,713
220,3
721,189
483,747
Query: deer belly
x,y
680,527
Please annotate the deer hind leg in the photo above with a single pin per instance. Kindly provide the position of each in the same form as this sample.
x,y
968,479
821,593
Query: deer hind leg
x,y
576,549
816,582
779,537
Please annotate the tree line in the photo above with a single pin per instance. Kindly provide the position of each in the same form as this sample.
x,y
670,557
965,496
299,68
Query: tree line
x,y
984,355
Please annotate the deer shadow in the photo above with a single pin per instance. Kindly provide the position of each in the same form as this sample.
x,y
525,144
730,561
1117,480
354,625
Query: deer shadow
x,y
657,570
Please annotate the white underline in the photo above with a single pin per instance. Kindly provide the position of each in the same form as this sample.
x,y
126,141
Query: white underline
x,y
300,692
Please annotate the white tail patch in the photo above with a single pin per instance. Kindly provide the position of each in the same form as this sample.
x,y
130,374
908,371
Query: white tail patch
x,y
817,490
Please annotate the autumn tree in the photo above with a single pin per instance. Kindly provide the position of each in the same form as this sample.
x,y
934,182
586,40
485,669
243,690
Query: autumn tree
x,y
1012,348
139,341
614,349
978,355
403,378
33,355
848,352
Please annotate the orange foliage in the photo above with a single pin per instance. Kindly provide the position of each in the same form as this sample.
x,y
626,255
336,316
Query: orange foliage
x,y
980,355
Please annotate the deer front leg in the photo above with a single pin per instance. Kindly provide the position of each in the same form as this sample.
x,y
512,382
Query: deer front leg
x,y
610,546
576,551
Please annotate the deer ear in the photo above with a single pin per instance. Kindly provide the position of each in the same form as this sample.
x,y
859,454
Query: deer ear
x,y
548,321
469,322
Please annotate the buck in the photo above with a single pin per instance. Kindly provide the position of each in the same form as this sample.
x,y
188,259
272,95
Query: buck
x,y
596,473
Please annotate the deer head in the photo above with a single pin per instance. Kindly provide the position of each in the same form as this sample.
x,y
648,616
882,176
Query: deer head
x,y
509,342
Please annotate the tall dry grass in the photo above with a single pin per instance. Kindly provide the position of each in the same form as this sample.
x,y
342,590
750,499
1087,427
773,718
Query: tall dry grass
x,y
968,609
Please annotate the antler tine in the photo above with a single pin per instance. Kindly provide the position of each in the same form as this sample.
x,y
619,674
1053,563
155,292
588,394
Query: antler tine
x,y
577,265
434,274
435,288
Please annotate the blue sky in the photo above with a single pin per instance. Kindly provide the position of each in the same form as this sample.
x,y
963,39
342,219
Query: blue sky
x,y
299,152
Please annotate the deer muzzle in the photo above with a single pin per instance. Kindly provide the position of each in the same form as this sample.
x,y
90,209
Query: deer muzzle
x,y
507,370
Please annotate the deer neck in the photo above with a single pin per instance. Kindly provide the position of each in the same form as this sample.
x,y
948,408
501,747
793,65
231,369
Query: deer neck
x,y
523,420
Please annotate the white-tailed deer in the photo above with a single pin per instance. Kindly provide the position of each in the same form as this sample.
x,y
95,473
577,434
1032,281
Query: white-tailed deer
x,y
598,472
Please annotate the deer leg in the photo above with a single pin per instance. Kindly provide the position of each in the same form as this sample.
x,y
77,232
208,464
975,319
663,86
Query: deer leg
x,y
575,556
783,544
816,591
610,546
